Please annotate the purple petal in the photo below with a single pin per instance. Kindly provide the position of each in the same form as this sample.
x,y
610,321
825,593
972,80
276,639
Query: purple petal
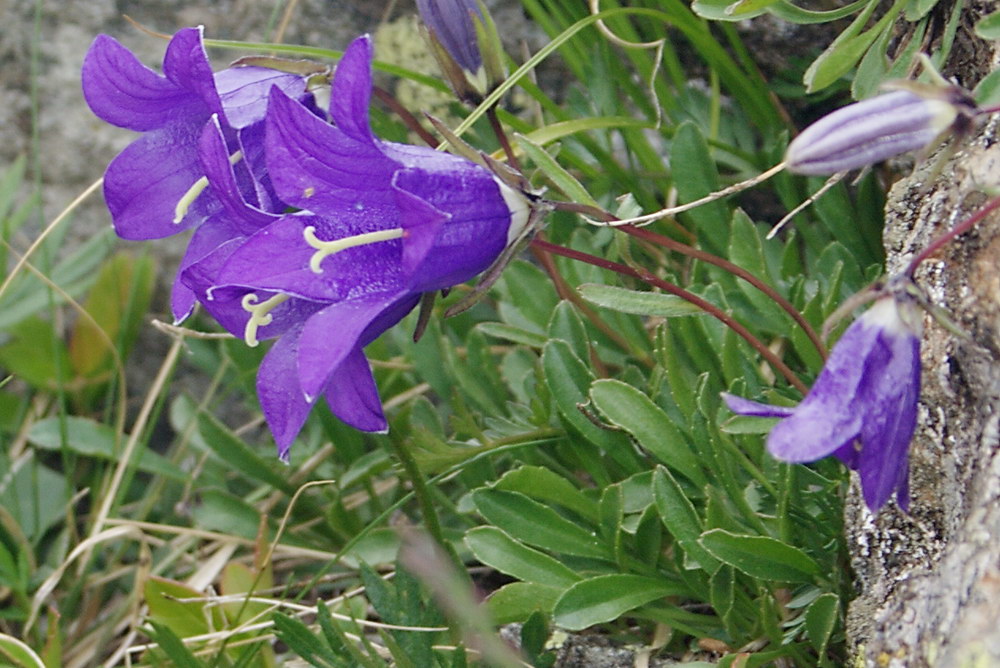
x,y
214,155
742,406
422,222
124,92
277,258
352,394
281,399
352,89
331,334
214,233
473,237
244,92
890,418
317,166
185,63
831,414
143,184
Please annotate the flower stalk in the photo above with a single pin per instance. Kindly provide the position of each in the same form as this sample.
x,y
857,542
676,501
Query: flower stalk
x,y
647,277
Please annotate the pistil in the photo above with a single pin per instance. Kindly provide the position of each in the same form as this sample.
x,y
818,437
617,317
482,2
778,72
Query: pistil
x,y
260,315
327,248
188,198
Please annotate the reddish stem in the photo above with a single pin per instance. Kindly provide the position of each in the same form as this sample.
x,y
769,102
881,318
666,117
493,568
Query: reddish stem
x,y
736,270
501,136
959,229
409,120
647,277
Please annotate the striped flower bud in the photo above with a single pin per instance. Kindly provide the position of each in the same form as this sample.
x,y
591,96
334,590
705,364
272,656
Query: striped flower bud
x,y
872,130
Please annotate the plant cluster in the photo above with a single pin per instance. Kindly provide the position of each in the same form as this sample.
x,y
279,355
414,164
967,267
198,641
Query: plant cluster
x,y
608,431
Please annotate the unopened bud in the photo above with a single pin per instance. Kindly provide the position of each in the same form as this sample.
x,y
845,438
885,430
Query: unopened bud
x,y
465,42
450,22
872,130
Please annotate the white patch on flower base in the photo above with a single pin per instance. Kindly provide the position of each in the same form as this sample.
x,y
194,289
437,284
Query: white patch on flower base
x,y
943,114
520,210
899,318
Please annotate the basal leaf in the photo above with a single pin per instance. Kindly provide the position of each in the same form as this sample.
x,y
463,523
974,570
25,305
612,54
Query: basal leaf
x,y
638,302
761,557
605,598
538,525
680,518
498,550
626,407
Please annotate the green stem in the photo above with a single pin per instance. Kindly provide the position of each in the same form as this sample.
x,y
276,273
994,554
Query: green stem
x,y
423,494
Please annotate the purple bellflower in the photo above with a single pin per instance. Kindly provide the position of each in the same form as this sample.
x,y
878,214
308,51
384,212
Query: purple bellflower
x,y
863,406
875,129
156,186
379,224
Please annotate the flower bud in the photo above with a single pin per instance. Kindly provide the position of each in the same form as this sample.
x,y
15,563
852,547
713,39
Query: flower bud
x,y
450,23
465,42
872,130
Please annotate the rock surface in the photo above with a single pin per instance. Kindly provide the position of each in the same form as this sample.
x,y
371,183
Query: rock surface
x,y
929,582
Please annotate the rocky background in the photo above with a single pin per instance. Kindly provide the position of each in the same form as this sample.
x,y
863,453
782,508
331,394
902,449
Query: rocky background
x,y
929,582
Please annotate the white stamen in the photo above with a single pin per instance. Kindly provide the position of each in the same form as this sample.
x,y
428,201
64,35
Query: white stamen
x,y
188,198
327,248
260,315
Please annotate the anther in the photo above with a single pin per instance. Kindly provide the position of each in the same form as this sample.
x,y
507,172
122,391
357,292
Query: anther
x,y
327,248
188,198
260,315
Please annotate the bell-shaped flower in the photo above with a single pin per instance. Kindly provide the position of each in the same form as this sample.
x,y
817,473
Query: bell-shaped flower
x,y
862,407
156,187
875,129
380,224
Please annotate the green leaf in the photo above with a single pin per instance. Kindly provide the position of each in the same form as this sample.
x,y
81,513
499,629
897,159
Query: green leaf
x,y
761,557
567,325
545,485
988,27
498,550
918,9
987,91
175,649
94,439
742,424
517,601
562,179
837,60
681,519
638,302
498,330
231,449
532,523
21,654
695,176
178,607
605,598
36,497
822,616
36,354
748,8
553,131
117,302
569,380
626,407
303,642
